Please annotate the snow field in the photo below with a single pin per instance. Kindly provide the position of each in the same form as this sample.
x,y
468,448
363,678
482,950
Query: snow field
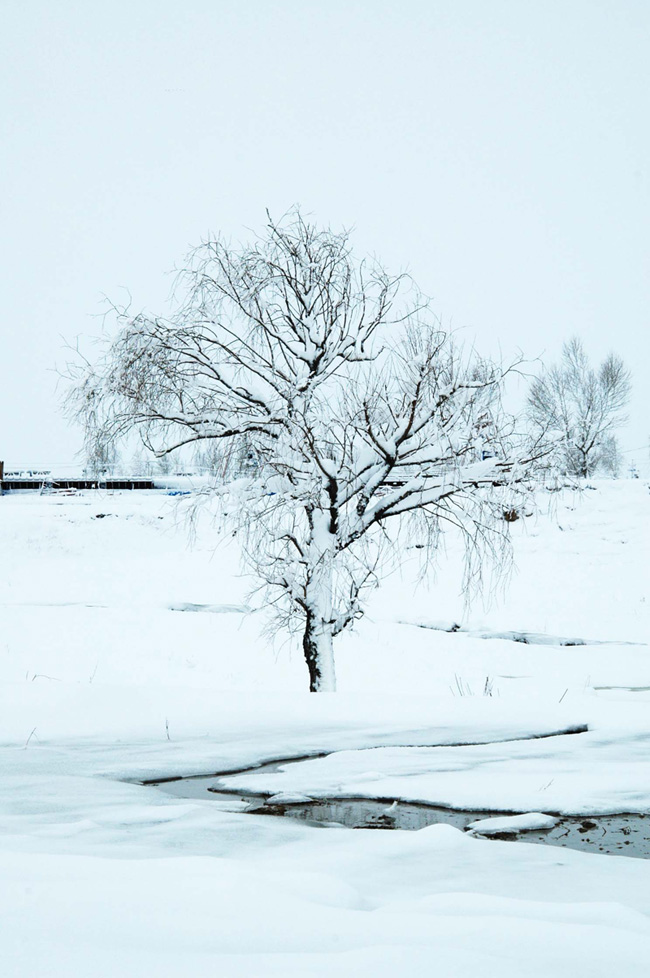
x,y
101,877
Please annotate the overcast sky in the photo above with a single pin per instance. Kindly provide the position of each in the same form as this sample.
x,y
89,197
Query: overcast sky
x,y
497,150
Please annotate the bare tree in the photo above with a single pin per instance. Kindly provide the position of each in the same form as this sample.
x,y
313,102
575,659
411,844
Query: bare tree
x,y
101,455
164,464
358,419
580,407
211,458
611,458
141,465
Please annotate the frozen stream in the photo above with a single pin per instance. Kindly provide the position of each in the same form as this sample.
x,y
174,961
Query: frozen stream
x,y
614,834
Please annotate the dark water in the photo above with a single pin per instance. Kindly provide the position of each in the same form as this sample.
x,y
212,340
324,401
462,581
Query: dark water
x,y
626,834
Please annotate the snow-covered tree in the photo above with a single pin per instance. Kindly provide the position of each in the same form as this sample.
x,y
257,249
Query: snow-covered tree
x,y
360,422
101,455
141,465
209,458
580,407
226,460
611,458
164,464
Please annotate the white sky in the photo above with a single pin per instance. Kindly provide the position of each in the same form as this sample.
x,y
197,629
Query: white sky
x,y
498,150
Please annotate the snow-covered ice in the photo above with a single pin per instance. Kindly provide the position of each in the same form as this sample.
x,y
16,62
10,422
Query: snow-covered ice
x,y
528,822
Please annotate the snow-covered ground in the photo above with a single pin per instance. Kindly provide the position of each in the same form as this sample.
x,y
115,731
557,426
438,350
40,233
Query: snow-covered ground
x,y
127,653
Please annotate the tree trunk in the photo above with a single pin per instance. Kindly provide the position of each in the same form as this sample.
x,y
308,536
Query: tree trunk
x,y
319,654
318,636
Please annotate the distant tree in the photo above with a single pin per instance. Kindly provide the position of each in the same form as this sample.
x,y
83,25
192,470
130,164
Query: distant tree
x,y
580,407
141,465
101,455
611,458
214,458
357,422
164,464
136,465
